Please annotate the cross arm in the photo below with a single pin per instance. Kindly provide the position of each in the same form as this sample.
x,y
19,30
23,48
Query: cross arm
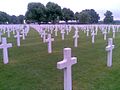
x,y
6,45
10,45
61,64
76,36
1,46
74,60
109,47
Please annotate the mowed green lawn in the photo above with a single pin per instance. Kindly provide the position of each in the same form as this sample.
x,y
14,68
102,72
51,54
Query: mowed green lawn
x,y
32,68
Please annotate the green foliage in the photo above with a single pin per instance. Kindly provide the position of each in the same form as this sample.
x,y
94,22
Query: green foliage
x,y
108,17
84,17
94,17
16,19
36,12
20,19
53,12
88,16
67,14
13,19
7,19
4,17
77,16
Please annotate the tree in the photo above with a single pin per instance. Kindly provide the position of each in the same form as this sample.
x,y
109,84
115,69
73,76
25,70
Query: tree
x,y
84,17
108,17
4,17
36,12
88,16
94,16
20,19
67,14
77,16
53,12
13,19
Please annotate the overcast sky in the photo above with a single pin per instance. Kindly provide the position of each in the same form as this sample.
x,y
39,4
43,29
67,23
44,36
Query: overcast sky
x,y
17,7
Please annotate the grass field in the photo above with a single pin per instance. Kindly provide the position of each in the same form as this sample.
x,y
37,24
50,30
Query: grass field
x,y
32,68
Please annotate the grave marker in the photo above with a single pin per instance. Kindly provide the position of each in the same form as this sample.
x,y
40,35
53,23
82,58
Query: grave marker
x,y
49,40
93,36
105,34
66,65
63,34
87,32
56,30
23,34
76,36
109,49
44,36
8,33
17,36
5,47
113,32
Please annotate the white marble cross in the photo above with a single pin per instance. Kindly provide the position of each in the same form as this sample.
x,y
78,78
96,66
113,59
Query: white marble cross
x,y
44,36
8,33
17,36
51,30
23,34
26,30
40,33
87,32
67,30
63,34
49,40
56,30
5,47
113,32
93,36
109,50
105,34
66,65
96,30
76,36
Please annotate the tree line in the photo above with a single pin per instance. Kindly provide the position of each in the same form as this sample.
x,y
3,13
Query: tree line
x,y
53,13
11,19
